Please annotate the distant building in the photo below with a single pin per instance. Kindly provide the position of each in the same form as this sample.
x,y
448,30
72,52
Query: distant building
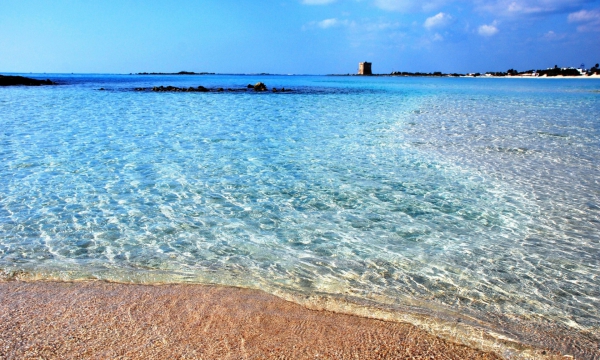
x,y
364,68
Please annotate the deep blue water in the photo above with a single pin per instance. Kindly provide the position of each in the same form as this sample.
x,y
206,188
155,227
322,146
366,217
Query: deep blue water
x,y
469,198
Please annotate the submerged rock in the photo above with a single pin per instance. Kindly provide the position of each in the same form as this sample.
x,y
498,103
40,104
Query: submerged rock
x,y
176,89
257,87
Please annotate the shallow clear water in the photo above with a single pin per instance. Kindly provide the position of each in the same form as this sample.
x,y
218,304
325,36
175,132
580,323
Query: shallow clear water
x,y
472,197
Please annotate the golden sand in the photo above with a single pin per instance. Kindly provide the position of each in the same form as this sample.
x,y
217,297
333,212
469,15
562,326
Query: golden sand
x,y
107,320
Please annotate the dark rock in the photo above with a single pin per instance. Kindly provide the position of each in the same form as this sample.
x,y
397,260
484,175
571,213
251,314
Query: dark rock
x,y
102,89
260,87
21,80
250,86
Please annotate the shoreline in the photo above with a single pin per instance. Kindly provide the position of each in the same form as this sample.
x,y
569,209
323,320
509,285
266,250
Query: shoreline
x,y
594,76
485,77
97,318
494,333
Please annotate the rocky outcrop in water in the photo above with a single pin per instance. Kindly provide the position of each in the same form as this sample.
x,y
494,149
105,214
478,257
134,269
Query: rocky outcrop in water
x,y
260,87
257,87
175,89
21,80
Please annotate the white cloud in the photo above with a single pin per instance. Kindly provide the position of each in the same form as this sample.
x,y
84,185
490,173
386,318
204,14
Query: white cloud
x,y
317,2
552,36
327,23
437,37
438,20
363,26
589,20
364,32
524,8
584,15
408,5
380,25
395,5
528,7
488,30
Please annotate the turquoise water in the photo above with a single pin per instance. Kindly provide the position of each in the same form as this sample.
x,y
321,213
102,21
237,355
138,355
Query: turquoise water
x,y
468,199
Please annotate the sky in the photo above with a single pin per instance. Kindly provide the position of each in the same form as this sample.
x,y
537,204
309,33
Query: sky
x,y
296,36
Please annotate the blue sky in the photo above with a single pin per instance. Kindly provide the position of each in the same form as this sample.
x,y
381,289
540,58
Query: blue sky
x,y
296,36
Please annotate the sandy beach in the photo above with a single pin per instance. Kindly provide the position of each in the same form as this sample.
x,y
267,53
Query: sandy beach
x,y
64,320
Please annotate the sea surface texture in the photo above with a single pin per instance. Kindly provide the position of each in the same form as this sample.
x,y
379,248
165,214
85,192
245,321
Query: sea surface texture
x,y
471,200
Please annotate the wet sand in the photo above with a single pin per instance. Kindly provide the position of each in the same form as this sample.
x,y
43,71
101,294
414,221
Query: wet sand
x,y
107,320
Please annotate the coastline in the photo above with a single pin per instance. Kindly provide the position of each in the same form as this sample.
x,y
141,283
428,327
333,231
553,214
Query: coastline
x,y
37,75
594,76
543,77
504,77
505,336
95,318
58,319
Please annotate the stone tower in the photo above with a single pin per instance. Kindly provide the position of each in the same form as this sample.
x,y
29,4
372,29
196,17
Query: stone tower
x,y
364,68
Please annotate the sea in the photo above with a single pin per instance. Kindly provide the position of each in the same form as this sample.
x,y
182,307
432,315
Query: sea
x,y
467,206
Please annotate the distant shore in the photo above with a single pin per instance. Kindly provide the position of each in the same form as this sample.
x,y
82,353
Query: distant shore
x,y
177,73
564,72
594,76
